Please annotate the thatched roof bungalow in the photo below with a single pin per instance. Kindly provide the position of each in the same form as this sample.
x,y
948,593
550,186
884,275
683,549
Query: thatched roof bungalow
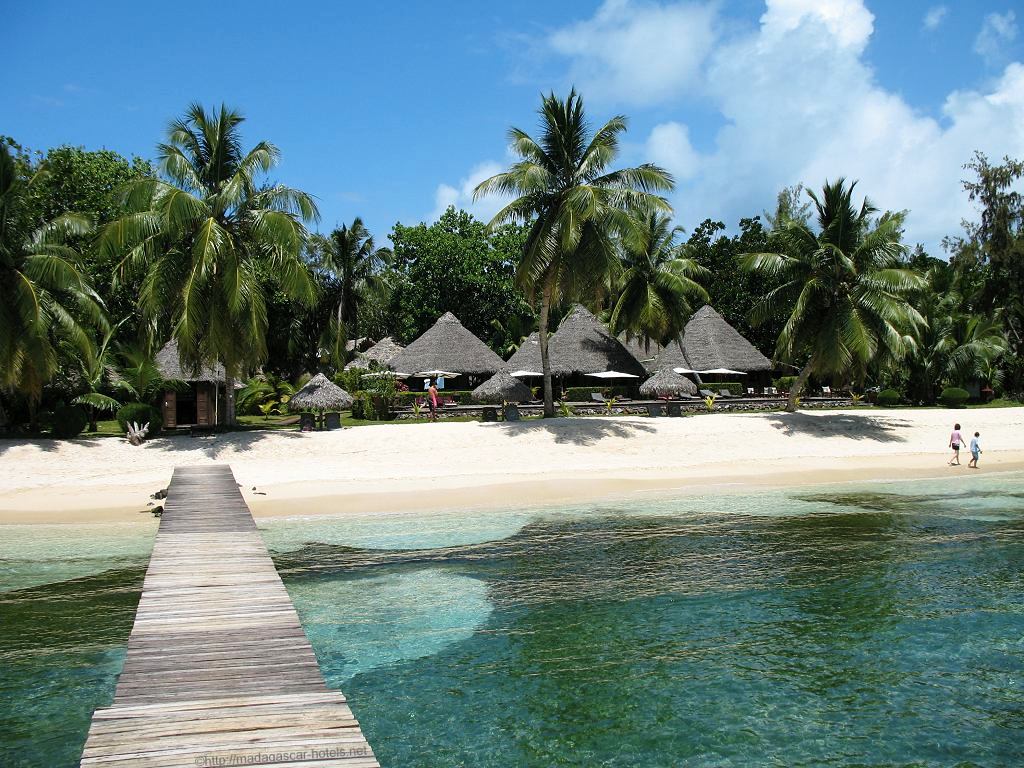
x,y
646,354
447,346
501,388
666,383
380,354
581,345
201,402
320,394
708,342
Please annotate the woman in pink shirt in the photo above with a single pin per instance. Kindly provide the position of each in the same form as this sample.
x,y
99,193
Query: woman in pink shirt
x,y
955,441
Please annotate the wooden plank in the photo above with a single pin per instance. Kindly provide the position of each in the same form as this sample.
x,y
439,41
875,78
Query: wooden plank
x,y
219,670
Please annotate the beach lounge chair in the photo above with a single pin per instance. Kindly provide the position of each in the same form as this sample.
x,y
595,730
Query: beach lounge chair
x,y
826,391
751,392
708,393
332,421
726,393
597,397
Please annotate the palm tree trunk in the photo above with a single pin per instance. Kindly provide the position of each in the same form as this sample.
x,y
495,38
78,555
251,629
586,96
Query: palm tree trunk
x,y
92,419
798,388
229,401
542,336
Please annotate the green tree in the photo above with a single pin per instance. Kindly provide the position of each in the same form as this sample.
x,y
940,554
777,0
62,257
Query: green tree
x,y
353,270
455,264
575,207
45,299
657,282
843,289
95,369
200,236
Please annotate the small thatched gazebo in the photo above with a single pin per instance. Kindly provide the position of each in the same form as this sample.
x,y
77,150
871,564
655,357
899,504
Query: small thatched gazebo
x,y
320,394
708,342
667,383
380,353
447,346
581,345
502,388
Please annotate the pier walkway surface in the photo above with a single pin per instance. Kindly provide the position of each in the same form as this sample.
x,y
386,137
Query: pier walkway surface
x,y
219,671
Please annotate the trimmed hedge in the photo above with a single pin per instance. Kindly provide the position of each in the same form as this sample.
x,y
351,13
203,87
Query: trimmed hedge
x,y
140,413
68,421
889,397
735,387
954,397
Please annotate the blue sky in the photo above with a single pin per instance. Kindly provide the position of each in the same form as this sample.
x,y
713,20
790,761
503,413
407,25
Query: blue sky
x,y
393,111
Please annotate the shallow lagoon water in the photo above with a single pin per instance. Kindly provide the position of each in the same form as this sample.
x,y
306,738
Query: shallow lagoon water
x,y
850,625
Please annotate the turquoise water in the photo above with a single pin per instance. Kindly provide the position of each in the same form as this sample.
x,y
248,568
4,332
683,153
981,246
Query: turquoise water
x,y
848,626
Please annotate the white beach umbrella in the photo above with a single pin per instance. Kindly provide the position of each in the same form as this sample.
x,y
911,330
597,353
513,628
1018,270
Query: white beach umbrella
x,y
525,374
686,370
722,371
433,374
613,375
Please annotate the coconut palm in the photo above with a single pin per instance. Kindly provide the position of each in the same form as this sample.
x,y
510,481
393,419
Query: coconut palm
x,y
203,235
575,206
657,283
354,269
95,369
45,298
843,288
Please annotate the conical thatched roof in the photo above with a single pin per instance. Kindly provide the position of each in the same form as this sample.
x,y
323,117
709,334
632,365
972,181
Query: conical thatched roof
x,y
380,353
580,345
447,346
666,383
320,394
710,342
169,363
502,387
645,354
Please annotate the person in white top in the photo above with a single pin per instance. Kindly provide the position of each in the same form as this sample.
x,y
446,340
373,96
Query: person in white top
x,y
975,451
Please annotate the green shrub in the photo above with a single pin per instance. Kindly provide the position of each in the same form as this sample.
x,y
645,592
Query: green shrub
x,y
734,387
889,397
352,380
140,414
68,421
954,397
784,383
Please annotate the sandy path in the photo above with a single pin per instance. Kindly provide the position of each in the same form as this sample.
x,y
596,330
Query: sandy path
x,y
398,467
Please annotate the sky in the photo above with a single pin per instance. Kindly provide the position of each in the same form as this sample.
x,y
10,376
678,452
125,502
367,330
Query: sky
x,y
392,112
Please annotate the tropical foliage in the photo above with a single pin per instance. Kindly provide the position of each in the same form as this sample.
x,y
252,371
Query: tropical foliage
x,y
843,289
575,206
200,234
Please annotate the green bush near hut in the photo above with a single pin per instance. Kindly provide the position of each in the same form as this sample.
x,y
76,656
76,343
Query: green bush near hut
x,y
139,413
954,397
68,421
734,387
784,383
887,398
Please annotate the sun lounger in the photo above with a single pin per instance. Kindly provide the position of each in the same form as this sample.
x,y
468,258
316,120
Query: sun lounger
x,y
826,391
708,393
597,397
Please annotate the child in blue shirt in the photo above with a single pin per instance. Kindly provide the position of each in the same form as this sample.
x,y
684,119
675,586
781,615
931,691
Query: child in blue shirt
x,y
975,451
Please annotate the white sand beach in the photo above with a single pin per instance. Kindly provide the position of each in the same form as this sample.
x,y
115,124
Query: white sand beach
x,y
404,467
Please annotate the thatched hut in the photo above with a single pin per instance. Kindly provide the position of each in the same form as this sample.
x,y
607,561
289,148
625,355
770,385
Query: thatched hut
x,y
201,401
320,394
581,345
380,354
646,354
502,388
708,342
666,383
448,346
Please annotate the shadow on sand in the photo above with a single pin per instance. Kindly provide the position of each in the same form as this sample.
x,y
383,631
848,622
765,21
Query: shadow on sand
x,y
215,445
881,429
579,431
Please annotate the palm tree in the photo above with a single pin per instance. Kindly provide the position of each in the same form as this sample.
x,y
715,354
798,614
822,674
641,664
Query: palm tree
x,y
203,235
575,207
139,377
45,299
657,282
354,269
844,290
95,369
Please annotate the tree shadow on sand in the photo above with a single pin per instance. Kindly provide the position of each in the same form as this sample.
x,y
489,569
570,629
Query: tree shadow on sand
x,y
49,444
216,445
578,430
881,429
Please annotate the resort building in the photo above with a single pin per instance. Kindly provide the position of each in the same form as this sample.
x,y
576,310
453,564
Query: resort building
x,y
377,356
200,402
709,342
448,346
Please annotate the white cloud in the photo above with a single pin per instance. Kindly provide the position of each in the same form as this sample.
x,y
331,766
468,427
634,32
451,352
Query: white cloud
x,y
669,146
638,52
461,196
799,103
934,17
997,31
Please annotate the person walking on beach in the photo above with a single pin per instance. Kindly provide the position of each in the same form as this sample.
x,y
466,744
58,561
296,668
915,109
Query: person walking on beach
x,y
955,441
975,451
432,400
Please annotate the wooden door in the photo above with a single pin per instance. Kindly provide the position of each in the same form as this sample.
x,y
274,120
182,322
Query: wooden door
x,y
170,408
203,408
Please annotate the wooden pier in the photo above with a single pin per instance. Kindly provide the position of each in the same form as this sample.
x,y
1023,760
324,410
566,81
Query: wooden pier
x,y
219,671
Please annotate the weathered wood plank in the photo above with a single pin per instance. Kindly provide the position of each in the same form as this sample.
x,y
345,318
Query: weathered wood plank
x,y
218,667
